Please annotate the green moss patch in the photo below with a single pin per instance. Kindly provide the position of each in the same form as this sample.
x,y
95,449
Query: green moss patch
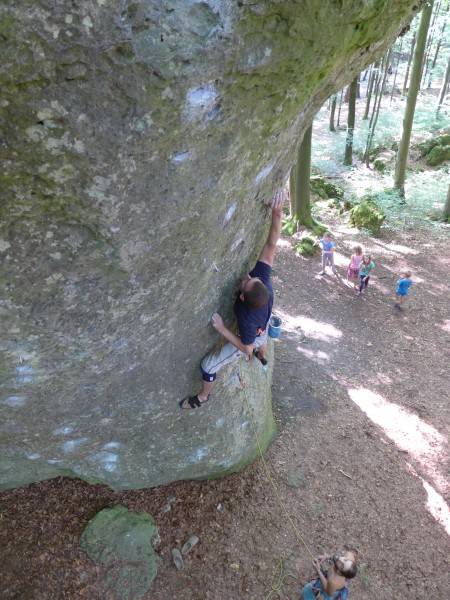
x,y
367,215
120,540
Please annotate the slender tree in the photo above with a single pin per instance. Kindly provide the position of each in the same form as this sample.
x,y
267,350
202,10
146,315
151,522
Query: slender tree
x,y
411,53
396,69
429,43
332,111
416,72
340,106
444,85
446,214
438,47
348,157
376,106
370,84
299,182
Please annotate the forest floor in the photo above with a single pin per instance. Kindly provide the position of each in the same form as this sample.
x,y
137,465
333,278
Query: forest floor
x,y
361,398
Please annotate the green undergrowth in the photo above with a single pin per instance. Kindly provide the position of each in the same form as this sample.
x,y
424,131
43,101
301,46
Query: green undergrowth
x,y
307,246
367,214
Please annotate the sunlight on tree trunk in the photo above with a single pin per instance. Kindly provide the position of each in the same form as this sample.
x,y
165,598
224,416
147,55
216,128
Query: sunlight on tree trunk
x,y
299,182
436,53
429,43
411,53
370,85
444,85
351,121
402,155
447,206
376,106
333,110
340,107
396,69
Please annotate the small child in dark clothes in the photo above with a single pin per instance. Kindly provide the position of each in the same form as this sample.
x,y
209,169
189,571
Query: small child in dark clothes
x,y
333,573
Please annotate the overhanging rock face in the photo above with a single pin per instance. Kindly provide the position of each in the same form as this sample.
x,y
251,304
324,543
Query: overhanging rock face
x,y
140,143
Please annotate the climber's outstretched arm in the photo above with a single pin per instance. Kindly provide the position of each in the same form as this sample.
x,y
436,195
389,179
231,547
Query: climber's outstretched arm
x,y
268,252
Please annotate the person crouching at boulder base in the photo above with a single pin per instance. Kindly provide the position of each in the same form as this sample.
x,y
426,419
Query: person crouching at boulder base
x,y
252,308
333,573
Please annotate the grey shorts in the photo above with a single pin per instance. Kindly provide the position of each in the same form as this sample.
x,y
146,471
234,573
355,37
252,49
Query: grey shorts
x,y
214,361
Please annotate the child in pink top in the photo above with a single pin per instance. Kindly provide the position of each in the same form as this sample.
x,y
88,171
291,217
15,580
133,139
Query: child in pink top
x,y
353,267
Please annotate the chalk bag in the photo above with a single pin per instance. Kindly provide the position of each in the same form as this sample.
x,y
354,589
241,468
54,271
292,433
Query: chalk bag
x,y
275,327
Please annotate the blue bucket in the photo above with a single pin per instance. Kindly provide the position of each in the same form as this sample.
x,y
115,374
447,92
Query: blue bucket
x,y
275,327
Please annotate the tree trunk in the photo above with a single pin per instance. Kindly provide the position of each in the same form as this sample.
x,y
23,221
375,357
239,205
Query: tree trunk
x,y
351,121
429,44
340,106
396,69
446,214
370,84
438,47
333,110
376,107
300,176
405,83
416,72
444,84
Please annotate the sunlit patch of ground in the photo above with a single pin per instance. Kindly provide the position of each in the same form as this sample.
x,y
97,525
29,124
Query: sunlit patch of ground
x,y
410,433
445,326
319,330
436,504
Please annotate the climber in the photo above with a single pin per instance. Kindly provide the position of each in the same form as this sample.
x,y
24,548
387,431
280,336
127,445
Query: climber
x,y
252,308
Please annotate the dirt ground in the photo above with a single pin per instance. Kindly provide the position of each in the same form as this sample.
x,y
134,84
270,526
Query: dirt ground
x,y
361,398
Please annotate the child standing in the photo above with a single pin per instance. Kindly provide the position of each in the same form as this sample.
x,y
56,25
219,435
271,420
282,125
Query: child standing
x,y
333,572
403,285
328,247
353,267
367,266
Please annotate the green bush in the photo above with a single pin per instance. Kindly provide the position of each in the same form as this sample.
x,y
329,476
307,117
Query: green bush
x,y
438,155
324,188
426,147
306,246
367,215
289,226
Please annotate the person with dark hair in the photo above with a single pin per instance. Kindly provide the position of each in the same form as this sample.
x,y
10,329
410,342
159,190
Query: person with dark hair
x,y
333,573
252,308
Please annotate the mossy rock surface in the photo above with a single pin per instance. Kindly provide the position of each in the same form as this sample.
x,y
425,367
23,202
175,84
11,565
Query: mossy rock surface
x,y
437,155
427,148
367,215
384,160
120,541
325,188
134,196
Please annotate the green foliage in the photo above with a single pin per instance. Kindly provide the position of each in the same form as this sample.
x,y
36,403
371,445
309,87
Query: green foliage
x,y
324,188
367,215
318,229
289,226
438,155
307,246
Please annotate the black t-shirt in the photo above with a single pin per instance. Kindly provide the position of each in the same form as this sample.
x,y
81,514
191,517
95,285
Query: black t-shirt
x,y
251,319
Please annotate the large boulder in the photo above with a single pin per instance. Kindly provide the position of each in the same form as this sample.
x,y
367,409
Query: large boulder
x,y
141,142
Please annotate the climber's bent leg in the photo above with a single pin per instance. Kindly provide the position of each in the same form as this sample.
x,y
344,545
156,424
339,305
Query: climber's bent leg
x,y
214,361
261,347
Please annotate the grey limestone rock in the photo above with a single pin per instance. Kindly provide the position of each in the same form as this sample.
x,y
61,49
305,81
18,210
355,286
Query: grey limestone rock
x,y
141,143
